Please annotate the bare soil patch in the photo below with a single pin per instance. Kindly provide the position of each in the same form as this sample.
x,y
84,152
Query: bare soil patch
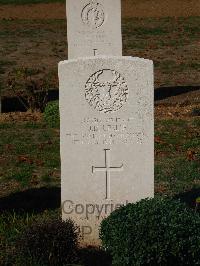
x,y
21,117
130,8
34,11
160,8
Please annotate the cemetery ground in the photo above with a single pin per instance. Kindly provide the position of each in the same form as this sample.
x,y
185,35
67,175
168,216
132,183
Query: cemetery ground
x,y
30,155
29,148
172,43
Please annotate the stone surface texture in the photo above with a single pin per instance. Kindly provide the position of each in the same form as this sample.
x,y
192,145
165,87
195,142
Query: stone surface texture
x,y
107,137
93,28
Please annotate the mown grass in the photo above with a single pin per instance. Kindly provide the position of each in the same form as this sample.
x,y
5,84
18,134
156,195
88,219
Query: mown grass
x,y
4,64
172,43
165,30
177,160
30,154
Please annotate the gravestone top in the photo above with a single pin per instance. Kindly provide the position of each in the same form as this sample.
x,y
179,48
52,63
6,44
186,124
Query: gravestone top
x,y
94,28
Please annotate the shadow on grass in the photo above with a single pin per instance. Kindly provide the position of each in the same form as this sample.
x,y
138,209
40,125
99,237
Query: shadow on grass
x,y
165,92
33,200
14,104
189,197
92,256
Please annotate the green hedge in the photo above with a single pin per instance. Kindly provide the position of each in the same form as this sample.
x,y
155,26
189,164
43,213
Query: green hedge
x,y
51,114
51,242
156,231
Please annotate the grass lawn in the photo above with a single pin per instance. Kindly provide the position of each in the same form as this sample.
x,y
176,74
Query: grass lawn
x,y
30,155
172,43
177,155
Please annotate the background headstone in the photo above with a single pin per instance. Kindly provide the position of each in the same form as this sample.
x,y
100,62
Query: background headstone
x,y
94,28
107,137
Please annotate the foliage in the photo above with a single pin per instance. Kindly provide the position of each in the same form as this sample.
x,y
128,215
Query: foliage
x,y
198,200
156,231
32,92
12,224
51,114
53,242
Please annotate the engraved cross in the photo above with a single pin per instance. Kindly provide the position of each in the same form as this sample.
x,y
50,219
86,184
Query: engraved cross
x,y
95,50
107,169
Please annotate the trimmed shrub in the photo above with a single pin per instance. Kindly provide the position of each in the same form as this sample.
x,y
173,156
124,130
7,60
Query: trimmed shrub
x,y
53,242
51,114
156,231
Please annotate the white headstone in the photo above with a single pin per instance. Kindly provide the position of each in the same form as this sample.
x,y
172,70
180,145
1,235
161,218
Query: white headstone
x,y
107,136
94,28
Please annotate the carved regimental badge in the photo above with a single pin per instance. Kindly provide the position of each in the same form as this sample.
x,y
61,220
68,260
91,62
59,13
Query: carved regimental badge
x,y
106,91
93,15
